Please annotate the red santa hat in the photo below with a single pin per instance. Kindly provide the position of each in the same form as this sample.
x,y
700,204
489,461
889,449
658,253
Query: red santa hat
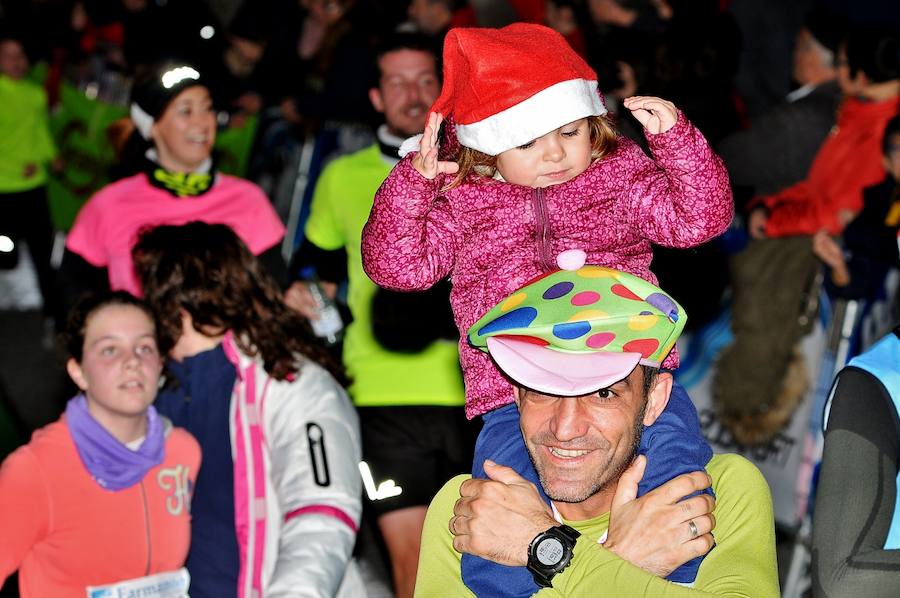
x,y
506,87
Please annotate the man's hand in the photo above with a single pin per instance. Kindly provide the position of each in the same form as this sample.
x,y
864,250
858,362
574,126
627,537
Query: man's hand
x,y
497,519
654,531
426,161
828,250
298,298
756,222
655,114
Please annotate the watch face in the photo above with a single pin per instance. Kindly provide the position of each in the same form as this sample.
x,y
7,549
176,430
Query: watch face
x,y
549,552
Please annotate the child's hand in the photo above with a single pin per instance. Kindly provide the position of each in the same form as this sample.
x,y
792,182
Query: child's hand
x,y
657,115
426,161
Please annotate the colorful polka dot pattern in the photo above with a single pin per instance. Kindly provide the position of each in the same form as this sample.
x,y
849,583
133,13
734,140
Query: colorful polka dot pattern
x,y
589,309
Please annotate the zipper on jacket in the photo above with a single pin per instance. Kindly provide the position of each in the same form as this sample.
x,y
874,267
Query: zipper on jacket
x,y
147,527
542,222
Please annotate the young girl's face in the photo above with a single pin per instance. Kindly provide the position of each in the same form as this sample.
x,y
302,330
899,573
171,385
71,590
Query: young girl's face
x,y
120,364
551,159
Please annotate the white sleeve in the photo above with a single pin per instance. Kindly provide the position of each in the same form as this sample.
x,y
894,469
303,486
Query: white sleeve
x,y
315,471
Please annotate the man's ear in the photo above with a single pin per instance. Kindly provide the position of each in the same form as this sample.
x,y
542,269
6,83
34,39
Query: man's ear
x,y
519,392
376,99
658,397
77,375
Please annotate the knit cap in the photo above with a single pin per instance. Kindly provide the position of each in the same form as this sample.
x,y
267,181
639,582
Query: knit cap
x,y
153,92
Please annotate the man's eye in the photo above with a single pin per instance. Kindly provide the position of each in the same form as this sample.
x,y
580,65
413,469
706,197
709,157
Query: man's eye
x,y
605,394
108,351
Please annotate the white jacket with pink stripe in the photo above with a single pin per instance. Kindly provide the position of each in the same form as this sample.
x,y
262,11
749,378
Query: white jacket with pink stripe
x,y
296,450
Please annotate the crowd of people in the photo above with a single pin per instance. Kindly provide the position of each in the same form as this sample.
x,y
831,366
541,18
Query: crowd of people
x,y
469,291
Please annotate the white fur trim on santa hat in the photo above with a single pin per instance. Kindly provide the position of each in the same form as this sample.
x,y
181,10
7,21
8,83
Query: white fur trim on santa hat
x,y
543,112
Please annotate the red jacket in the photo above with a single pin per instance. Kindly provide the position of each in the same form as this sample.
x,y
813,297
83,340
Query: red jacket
x,y
64,532
848,162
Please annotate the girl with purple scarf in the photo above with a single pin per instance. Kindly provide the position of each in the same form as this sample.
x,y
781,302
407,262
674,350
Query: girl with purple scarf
x,y
100,500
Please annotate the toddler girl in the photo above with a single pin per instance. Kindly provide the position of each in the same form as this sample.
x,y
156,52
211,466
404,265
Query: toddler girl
x,y
540,171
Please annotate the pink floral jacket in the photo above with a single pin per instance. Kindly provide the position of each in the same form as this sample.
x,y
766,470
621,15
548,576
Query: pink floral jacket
x,y
492,237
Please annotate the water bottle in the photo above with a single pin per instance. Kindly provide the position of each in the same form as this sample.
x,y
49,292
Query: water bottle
x,y
328,325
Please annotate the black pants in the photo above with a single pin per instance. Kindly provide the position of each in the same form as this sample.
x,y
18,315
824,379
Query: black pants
x,y
25,216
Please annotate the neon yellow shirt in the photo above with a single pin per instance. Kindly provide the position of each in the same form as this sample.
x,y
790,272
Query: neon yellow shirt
x,y
24,135
339,210
742,565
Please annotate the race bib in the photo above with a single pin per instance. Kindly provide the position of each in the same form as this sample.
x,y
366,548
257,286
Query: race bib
x,y
173,584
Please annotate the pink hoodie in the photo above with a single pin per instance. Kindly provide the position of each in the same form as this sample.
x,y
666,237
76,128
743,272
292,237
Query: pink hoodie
x,y
493,236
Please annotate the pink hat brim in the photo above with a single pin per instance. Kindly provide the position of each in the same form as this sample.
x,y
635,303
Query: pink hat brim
x,y
556,372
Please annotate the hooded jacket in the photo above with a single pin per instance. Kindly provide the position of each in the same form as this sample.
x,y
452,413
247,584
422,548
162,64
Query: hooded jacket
x,y
495,236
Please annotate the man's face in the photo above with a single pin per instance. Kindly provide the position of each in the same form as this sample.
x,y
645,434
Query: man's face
x,y
581,445
429,16
13,61
810,64
408,86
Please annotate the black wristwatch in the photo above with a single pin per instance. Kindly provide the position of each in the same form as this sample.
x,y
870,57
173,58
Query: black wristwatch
x,y
550,552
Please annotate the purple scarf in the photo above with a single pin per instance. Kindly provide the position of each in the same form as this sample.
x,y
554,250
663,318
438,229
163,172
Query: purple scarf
x,y
112,464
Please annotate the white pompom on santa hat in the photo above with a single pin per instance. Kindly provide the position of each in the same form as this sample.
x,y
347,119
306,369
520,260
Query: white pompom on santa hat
x,y
506,87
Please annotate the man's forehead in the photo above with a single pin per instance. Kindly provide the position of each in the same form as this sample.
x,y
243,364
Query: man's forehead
x,y
405,60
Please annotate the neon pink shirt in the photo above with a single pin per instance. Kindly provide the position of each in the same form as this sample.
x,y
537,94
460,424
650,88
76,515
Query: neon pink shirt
x,y
107,226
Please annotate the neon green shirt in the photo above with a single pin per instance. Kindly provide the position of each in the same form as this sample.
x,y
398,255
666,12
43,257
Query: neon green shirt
x,y
742,565
24,135
339,210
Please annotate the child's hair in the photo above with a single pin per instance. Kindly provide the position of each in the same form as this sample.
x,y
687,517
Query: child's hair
x,y
87,306
604,141
890,132
207,271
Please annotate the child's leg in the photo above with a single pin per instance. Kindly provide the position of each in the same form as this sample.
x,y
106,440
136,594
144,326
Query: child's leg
x,y
674,445
501,441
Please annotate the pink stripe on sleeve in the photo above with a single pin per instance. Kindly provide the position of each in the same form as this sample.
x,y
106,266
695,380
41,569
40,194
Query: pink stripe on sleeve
x,y
323,510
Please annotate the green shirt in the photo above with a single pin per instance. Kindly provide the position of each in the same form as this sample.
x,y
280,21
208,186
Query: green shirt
x,y
339,210
741,565
24,135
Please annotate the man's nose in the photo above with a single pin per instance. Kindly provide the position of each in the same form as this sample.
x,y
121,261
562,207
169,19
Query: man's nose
x,y
569,422
413,93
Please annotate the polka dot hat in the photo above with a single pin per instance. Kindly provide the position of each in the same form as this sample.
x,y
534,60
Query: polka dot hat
x,y
579,329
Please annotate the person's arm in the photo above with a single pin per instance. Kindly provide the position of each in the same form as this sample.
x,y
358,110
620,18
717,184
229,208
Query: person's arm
x,y
330,265
323,248
24,515
273,263
857,491
410,240
315,449
742,564
682,197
